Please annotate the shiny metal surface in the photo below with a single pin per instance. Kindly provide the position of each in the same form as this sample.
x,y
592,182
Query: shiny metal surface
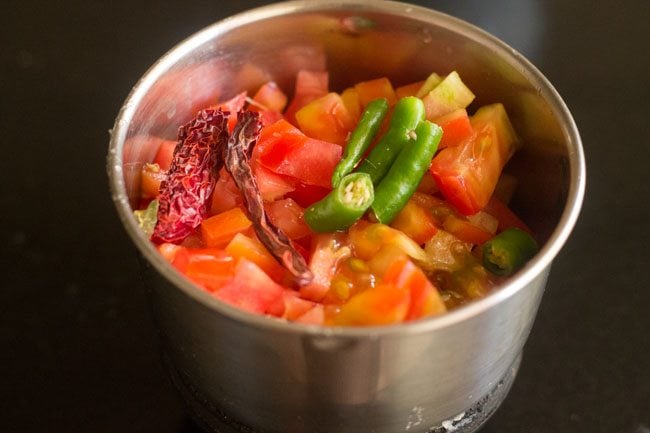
x,y
277,377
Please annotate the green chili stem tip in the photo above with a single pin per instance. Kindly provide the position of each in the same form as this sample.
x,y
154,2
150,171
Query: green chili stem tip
x,y
360,138
508,251
343,206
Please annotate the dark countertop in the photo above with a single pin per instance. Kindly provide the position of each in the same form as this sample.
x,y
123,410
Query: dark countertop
x,y
79,351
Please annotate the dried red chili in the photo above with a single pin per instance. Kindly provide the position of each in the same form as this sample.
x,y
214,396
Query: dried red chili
x,y
237,157
197,158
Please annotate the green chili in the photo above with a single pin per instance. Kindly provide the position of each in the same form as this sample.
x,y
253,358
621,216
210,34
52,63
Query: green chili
x,y
343,206
360,138
405,174
407,114
508,251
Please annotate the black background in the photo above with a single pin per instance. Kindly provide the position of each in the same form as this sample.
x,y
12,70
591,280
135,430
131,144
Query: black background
x,y
78,349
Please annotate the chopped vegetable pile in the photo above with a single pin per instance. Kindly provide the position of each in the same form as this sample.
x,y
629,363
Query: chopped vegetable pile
x,y
373,206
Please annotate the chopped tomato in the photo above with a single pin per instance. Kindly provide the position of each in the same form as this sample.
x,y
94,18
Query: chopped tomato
x,y
310,85
275,142
242,246
466,231
294,306
416,222
313,163
219,229
350,98
306,195
225,194
272,186
328,251
233,106
505,216
424,297
165,154
150,180
379,88
270,98
468,173
326,118
208,267
252,290
287,151
381,305
456,127
315,316
288,216
408,89
270,117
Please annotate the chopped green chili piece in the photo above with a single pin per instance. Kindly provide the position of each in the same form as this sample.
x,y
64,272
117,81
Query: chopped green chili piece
x,y
405,174
508,251
360,138
343,206
408,112
147,217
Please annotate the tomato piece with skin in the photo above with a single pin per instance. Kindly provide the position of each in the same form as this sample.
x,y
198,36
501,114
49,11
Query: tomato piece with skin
x,y
242,246
425,299
276,142
272,185
310,85
225,194
270,97
312,163
415,222
219,229
306,195
373,89
288,216
295,306
384,304
233,106
468,173
208,267
350,98
252,290
285,150
466,231
506,217
328,251
456,127
315,316
326,118
408,89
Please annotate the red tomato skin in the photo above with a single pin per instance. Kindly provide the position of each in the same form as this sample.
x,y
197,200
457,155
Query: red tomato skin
x,y
252,290
468,173
326,118
310,85
285,150
288,216
270,97
306,195
456,127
